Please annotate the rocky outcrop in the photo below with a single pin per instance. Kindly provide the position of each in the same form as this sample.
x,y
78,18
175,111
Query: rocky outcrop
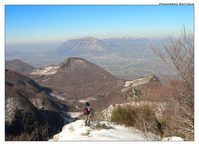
x,y
139,82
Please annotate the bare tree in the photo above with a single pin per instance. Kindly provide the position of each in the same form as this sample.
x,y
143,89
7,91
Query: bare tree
x,y
179,52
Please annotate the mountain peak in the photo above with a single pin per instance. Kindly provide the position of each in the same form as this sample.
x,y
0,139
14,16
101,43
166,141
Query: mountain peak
x,y
86,44
68,62
83,76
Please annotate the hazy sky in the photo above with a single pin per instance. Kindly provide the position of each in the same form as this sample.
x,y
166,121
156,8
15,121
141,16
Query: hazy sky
x,y
47,23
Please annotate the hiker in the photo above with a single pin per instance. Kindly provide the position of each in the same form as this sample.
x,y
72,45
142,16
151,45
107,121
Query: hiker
x,y
87,114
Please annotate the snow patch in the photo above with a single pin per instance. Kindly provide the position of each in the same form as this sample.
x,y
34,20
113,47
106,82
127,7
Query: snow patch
x,y
128,83
74,114
137,82
173,138
87,99
140,81
57,96
80,61
49,70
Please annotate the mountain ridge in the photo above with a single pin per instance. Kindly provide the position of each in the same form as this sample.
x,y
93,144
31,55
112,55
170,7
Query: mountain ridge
x,y
86,43
28,106
19,66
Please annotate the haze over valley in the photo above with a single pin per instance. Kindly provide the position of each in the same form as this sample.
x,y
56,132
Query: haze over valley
x,y
125,57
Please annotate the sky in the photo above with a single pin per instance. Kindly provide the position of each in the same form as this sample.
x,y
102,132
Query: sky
x,y
48,23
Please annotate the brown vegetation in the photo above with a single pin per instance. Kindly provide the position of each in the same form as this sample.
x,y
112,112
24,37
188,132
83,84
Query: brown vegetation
x,y
179,52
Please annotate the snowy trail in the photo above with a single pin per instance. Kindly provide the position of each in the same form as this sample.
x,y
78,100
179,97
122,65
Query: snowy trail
x,y
76,131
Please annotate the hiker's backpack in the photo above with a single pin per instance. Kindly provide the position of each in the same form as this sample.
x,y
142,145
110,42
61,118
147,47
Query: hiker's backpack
x,y
86,111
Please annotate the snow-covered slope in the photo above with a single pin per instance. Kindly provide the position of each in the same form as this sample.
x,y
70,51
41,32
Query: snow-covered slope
x,y
76,131
108,131
49,70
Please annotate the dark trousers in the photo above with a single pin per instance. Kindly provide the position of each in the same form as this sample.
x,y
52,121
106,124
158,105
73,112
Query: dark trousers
x,y
87,120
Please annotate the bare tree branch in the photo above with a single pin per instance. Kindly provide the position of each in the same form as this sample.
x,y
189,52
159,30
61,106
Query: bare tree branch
x,y
179,52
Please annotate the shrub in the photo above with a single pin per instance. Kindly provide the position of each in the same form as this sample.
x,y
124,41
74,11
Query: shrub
x,y
100,126
124,116
141,117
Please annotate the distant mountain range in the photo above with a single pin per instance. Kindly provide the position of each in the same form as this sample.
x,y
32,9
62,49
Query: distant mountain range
x,y
125,57
85,45
98,47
